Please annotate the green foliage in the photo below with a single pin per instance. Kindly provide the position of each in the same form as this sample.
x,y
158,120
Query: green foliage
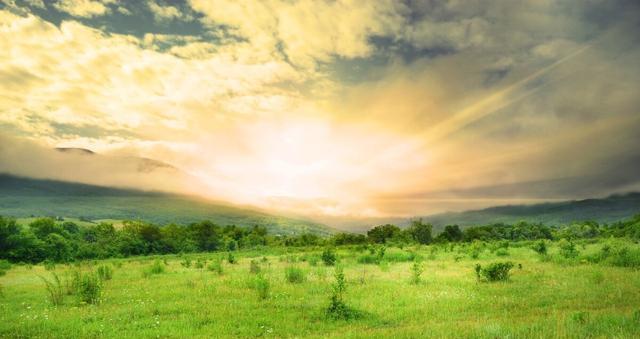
x,y
262,286
502,252
215,266
186,263
199,264
416,272
338,309
540,247
231,259
568,249
381,234
421,232
156,268
295,275
49,265
254,266
89,288
497,271
55,290
329,257
105,272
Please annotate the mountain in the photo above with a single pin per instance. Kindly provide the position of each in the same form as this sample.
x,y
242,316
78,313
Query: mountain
x,y
603,210
24,197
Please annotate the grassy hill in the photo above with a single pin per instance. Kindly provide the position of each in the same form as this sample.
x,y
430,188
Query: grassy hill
x,y
605,210
26,197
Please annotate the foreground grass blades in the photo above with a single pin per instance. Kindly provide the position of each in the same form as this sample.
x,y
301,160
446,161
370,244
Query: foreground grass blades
x,y
549,296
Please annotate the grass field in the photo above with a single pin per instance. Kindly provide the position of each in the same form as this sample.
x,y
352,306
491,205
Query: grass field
x,y
544,298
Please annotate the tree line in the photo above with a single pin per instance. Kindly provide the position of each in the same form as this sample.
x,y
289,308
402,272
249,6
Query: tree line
x,y
48,239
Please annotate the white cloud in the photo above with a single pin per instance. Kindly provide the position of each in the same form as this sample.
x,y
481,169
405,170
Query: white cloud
x,y
167,13
84,8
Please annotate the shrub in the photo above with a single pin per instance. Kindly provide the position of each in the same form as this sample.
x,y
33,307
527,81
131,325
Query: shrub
x,y
502,252
89,289
49,265
262,286
231,258
368,259
329,257
186,263
72,282
215,266
416,272
568,249
338,309
498,271
4,267
105,272
199,264
540,247
254,267
55,291
156,268
294,275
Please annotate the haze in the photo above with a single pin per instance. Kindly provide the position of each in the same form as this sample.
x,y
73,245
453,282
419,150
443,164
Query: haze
x,y
326,108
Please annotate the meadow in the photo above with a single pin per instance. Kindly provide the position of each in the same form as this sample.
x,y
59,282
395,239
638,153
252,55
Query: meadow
x,y
401,292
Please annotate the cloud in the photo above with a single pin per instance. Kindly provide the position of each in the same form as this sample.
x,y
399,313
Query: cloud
x,y
445,99
167,13
84,8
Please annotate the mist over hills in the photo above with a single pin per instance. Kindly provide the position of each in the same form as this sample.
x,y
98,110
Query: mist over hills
x,y
25,197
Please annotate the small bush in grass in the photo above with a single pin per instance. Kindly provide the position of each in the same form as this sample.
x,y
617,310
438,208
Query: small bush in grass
x,y
117,264
580,317
502,252
105,272
4,267
294,275
1,291
156,268
540,247
568,249
329,257
72,282
186,263
262,286
313,261
254,267
596,277
338,309
368,259
55,290
49,265
636,316
90,288
231,258
497,271
199,264
215,266
416,272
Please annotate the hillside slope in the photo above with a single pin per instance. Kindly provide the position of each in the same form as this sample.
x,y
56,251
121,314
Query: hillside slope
x,y
24,197
604,210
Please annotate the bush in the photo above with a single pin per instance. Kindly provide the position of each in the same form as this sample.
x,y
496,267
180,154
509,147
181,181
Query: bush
x,y
186,263
156,268
368,259
502,252
4,267
416,272
294,275
199,264
329,257
215,266
55,291
254,267
231,258
568,249
49,265
540,247
262,286
105,272
89,289
338,309
498,271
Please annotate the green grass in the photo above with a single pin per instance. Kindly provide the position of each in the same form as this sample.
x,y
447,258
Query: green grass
x,y
557,298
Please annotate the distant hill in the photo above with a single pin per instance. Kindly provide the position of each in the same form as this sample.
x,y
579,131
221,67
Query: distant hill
x,y
25,197
604,210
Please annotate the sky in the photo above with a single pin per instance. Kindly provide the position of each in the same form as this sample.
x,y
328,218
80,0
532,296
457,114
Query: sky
x,y
345,109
